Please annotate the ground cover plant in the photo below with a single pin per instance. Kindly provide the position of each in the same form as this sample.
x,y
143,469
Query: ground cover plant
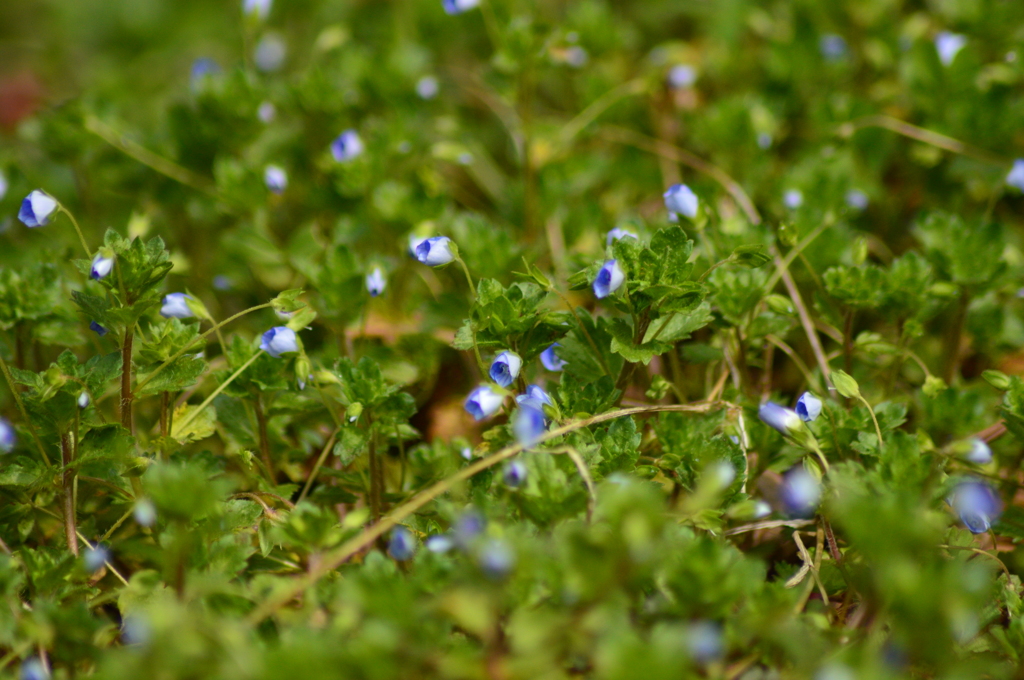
x,y
511,339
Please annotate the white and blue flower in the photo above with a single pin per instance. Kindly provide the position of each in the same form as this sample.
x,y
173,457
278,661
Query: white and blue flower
x,y
976,504
84,400
7,437
551,360
505,368
440,543
800,492
856,199
203,69
497,559
145,512
427,87
347,146
259,9
704,641
375,282
3,186
270,53
808,407
682,77
528,425
95,557
483,402
779,417
948,45
279,340
535,397
1015,178
609,279
680,200
617,233
833,47
102,265
275,178
175,306
266,112
979,453
434,251
37,208
33,669
793,198
458,6
402,545
514,474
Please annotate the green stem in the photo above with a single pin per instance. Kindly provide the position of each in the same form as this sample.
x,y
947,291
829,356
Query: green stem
x,y
186,348
220,388
21,407
878,430
261,424
127,422
81,237
319,463
472,329
68,478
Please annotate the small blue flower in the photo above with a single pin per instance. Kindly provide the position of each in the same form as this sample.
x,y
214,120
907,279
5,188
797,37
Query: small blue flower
x,y
497,559
222,283
84,400
976,504
528,425
793,198
617,233
135,630
279,340
514,474
682,77
704,641
97,329
680,200
266,112
7,438
808,407
427,87
402,545
101,266
435,251
483,402
439,543
609,279
145,512
458,6
535,397
468,527
551,360
948,45
375,282
833,47
856,199
505,368
37,208
800,492
275,178
980,453
203,69
3,186
257,8
270,53
347,146
95,557
1016,176
175,306
764,140
779,417
33,669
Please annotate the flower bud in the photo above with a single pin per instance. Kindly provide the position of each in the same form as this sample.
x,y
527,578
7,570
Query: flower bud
x,y
427,87
609,279
979,453
37,208
948,45
976,504
857,199
680,200
514,474
434,251
102,265
779,417
535,397
347,146
505,368
551,360
402,545
98,329
84,400
617,233
279,340
439,543
175,306
682,77
808,407
375,282
793,198
483,402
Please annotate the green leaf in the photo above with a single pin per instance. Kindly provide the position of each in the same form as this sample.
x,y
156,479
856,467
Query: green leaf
x,y
201,426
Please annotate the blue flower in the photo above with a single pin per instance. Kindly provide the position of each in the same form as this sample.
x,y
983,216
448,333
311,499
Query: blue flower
x,y
266,112
84,400
3,186
33,669
483,402
764,140
95,557
980,453
375,282
535,397
439,543
468,527
808,407
497,559
976,504
514,474
1016,176
551,360
617,233
402,545
175,306
948,45
528,425
221,282
279,340
793,198
145,512
270,53
97,329
257,8
609,279
682,77
135,630
427,87
680,199
7,438
102,265
800,492
458,6
347,146
704,641
275,178
858,200
779,417
505,368
37,208
434,251
832,46
203,69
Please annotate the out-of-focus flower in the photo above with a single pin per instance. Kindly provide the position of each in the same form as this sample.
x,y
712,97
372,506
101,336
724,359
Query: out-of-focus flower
x,y
948,45
33,669
535,397
427,87
483,402
435,251
779,417
856,199
95,557
458,6
279,340
347,146
682,76
257,8
528,425
203,69
617,233
7,437
609,279
704,641
976,504
497,559
808,407
175,306
275,178
270,53
764,140
3,186
979,453
37,208
266,112
439,543
97,329
680,200
833,47
800,492
145,512
793,198
1015,178
402,545
514,474
375,282
468,527
551,360
84,400
505,368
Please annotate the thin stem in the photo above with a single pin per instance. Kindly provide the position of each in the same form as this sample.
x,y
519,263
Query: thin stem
x,y
848,341
261,424
328,447
220,388
21,407
874,419
922,135
81,237
472,329
126,382
801,310
795,251
954,339
331,560
186,348
68,478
